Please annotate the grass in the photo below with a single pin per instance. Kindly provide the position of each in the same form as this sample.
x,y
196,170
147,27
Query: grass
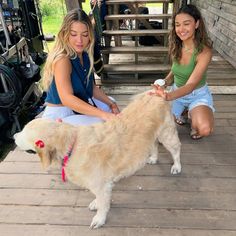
x,y
51,24
86,6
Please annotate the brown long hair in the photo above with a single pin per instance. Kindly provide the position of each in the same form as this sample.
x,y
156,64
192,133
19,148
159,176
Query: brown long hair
x,y
62,47
201,37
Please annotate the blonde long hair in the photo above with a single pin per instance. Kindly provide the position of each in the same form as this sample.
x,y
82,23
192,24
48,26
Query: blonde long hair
x,y
62,47
201,37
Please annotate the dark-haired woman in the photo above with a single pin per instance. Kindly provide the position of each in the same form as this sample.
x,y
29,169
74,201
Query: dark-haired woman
x,y
191,53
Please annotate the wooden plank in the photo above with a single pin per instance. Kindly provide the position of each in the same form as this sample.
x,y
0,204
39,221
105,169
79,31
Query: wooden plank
x,y
136,68
121,217
220,63
221,82
135,89
216,66
232,122
136,32
150,76
225,98
127,50
125,199
212,158
161,169
151,183
138,16
226,116
228,108
72,230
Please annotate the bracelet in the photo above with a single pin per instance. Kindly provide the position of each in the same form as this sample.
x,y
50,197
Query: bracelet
x,y
166,93
112,105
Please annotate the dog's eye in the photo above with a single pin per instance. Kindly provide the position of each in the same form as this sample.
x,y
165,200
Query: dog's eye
x,y
31,151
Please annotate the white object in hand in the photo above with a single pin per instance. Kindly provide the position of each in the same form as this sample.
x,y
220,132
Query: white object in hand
x,y
160,82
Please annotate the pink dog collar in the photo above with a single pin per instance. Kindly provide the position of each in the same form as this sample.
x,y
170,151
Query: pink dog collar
x,y
64,163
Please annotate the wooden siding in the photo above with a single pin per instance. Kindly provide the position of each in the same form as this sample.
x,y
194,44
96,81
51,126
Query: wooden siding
x,y
220,18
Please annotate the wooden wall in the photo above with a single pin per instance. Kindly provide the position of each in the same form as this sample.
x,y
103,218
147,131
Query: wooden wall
x,y
220,18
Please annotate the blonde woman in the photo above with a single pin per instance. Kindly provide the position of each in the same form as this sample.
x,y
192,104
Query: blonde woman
x,y
68,78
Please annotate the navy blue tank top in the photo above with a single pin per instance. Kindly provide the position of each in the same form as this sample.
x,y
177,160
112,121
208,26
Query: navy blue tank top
x,y
82,87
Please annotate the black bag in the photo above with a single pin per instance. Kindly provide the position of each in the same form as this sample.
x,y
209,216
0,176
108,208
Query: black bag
x,y
12,97
30,71
150,40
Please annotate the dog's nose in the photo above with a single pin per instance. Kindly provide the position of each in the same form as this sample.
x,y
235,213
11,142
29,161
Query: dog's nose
x,y
31,151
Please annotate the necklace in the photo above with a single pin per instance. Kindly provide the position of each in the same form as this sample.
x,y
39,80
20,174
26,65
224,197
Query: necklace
x,y
187,49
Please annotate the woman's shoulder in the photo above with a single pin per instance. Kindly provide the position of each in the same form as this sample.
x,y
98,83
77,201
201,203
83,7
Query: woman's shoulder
x,y
63,59
205,50
205,53
62,62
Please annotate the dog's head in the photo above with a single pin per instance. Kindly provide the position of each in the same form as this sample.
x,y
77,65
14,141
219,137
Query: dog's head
x,y
49,139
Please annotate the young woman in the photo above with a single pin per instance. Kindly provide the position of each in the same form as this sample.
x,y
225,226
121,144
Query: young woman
x,y
191,53
68,78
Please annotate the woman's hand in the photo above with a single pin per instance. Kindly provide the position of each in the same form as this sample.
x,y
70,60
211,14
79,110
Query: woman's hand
x,y
114,108
158,91
108,116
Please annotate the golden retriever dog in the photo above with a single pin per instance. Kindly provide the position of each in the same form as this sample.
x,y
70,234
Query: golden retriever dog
x,y
101,154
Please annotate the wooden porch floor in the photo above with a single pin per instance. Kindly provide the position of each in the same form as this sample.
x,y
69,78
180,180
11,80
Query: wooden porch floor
x,y
200,201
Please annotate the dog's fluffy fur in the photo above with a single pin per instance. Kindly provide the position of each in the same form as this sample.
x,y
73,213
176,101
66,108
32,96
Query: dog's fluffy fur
x,y
106,152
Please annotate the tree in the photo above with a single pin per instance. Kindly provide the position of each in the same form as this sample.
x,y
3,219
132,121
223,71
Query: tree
x,y
71,4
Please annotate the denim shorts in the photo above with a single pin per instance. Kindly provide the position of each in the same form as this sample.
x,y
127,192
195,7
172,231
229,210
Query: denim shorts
x,y
198,97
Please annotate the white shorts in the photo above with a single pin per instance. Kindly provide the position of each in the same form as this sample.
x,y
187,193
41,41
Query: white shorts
x,y
68,116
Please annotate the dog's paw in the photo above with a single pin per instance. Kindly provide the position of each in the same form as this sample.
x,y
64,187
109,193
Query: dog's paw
x,y
175,169
97,221
152,160
93,205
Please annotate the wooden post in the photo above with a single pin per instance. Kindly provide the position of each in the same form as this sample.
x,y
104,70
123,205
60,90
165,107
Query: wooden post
x,y
72,4
184,2
176,6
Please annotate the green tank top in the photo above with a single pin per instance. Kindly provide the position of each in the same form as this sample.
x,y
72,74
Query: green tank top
x,y
182,72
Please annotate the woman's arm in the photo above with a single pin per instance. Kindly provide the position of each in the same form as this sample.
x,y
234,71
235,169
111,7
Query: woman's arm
x,y
203,60
169,79
100,95
62,73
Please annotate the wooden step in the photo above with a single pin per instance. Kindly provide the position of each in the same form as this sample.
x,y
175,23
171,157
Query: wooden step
x,y
145,32
115,2
129,69
135,50
138,16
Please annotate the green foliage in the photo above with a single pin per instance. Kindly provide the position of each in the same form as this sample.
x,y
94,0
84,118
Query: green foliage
x,y
86,6
51,24
53,12
52,7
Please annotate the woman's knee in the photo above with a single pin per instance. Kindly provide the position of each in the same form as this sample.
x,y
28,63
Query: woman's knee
x,y
204,130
